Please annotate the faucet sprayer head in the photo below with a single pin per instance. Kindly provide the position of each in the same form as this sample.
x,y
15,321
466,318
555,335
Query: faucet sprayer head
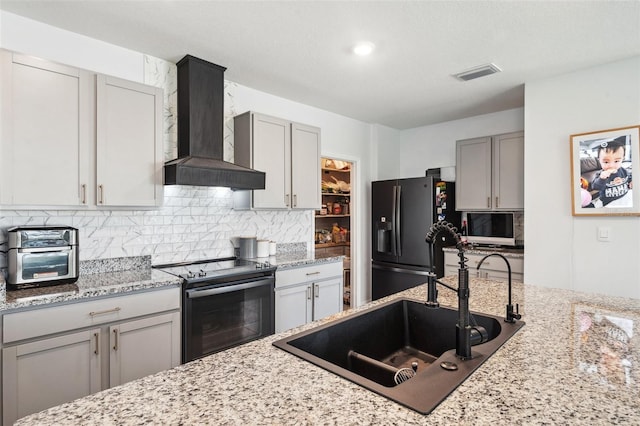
x,y
440,226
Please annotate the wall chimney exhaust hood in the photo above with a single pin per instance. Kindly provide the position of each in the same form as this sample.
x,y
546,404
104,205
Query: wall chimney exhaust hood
x,y
200,132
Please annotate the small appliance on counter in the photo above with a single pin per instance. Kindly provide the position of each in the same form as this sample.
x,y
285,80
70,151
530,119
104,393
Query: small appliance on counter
x,y
262,248
42,255
247,247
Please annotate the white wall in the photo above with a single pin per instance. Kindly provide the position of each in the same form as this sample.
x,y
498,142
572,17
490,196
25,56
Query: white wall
x,y
562,250
388,152
44,41
434,146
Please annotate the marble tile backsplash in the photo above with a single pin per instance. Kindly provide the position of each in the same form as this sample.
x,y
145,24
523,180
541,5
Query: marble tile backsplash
x,y
194,223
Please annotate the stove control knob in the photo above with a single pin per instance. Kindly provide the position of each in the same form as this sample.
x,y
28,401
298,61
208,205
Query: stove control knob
x,y
202,273
190,274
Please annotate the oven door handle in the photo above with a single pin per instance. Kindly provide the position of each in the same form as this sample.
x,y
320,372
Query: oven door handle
x,y
195,293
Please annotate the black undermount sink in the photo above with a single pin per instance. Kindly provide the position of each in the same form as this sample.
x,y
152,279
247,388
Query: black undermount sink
x,y
369,347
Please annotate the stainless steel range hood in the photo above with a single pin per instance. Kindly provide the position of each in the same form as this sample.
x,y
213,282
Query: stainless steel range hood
x,y
200,132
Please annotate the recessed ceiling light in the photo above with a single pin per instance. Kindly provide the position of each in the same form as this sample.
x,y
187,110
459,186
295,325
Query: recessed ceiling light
x,y
363,48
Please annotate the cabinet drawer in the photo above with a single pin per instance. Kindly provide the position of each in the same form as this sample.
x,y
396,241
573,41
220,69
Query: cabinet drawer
x,y
308,273
44,321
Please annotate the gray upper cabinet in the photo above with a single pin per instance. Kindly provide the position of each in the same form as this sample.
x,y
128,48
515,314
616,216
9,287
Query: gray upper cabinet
x,y
490,173
288,153
46,132
75,139
128,143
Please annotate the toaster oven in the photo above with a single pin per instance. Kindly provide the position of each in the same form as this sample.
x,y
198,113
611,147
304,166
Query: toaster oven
x,y
42,255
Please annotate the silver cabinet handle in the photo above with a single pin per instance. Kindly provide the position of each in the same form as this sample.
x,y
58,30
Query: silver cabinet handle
x,y
286,200
497,203
489,202
97,349
108,311
101,194
115,339
317,290
313,273
83,190
295,200
309,293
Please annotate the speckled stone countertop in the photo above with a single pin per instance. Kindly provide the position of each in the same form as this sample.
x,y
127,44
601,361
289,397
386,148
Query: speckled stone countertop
x,y
123,275
298,259
506,252
576,361
97,278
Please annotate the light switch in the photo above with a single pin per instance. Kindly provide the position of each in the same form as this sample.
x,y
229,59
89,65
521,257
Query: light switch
x,y
604,234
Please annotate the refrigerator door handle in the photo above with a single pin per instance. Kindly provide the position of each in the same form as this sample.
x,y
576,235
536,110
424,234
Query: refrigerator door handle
x,y
398,221
404,271
394,229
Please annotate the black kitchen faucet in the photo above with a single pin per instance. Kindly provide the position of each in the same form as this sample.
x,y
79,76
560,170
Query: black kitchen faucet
x,y
511,316
466,334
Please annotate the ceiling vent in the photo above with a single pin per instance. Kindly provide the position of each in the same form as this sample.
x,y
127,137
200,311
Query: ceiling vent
x,y
477,72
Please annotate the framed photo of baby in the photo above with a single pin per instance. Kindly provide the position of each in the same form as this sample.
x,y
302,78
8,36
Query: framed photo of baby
x,y
602,168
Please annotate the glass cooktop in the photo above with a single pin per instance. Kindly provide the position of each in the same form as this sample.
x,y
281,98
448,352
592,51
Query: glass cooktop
x,y
210,269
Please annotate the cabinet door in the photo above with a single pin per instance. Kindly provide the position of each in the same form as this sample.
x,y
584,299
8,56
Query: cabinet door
x,y
508,171
327,298
272,155
293,306
142,347
473,174
46,131
305,166
129,143
49,372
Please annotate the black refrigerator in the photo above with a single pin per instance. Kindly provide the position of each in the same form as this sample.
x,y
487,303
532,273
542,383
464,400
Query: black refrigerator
x,y
403,210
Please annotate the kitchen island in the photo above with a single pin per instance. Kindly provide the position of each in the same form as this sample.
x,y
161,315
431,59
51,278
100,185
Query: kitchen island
x,y
576,361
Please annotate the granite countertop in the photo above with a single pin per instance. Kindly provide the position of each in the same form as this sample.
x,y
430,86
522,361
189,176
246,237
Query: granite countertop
x,y
105,278
298,259
514,253
97,279
576,361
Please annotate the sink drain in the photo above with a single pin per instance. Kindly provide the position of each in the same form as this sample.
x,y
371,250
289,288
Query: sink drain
x,y
403,374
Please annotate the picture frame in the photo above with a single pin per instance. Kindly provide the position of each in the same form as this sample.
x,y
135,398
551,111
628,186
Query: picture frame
x,y
602,167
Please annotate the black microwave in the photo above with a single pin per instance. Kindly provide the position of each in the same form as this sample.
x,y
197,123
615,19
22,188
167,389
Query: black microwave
x,y
491,228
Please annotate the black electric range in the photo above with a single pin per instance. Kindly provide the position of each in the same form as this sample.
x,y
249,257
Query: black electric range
x,y
225,303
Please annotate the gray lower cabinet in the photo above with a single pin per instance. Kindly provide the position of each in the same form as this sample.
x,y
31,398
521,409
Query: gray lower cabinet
x,y
128,339
307,294
48,372
142,347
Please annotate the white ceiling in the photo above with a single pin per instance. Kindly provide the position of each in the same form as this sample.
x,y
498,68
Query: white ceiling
x,y
300,50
